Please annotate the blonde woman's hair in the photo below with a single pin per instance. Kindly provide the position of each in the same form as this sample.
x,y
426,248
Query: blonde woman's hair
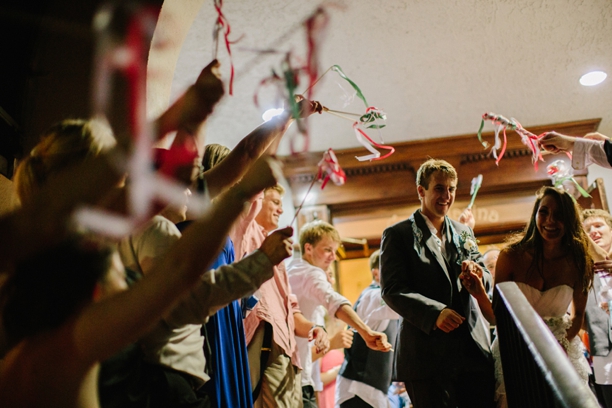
x,y
62,145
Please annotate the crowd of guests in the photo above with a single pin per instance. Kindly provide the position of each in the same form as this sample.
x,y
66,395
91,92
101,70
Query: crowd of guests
x,y
204,312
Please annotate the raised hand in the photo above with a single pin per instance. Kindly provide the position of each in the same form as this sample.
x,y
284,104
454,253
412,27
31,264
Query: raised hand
x,y
467,218
471,278
278,245
342,339
377,341
307,107
191,109
448,320
556,142
321,340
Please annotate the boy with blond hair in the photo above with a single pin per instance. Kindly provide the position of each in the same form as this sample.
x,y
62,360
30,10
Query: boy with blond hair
x,y
307,277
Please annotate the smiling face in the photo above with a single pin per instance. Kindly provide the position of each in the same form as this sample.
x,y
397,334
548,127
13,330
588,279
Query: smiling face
x,y
271,210
321,254
548,220
439,195
599,231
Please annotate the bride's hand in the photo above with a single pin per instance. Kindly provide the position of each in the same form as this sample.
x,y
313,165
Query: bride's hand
x,y
471,278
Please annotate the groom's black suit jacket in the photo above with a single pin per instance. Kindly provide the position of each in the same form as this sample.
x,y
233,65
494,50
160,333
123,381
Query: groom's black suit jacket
x,y
418,286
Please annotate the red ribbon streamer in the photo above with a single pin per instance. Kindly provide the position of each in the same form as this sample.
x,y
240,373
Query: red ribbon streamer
x,y
224,24
331,168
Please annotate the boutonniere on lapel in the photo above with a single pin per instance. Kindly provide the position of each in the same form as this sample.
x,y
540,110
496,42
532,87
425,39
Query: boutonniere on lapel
x,y
469,243
465,244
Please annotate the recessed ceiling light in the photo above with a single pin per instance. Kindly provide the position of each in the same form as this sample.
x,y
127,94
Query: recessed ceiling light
x,y
270,113
593,78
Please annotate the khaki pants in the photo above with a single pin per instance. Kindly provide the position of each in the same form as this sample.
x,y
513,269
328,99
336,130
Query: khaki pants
x,y
281,385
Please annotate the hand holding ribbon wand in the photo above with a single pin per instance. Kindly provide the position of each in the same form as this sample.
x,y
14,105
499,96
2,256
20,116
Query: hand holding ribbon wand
x,y
328,169
502,123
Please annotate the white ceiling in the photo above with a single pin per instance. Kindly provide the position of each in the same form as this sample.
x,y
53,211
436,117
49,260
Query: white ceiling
x,y
434,66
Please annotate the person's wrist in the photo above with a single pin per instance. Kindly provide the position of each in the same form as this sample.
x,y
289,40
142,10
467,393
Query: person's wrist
x,y
314,326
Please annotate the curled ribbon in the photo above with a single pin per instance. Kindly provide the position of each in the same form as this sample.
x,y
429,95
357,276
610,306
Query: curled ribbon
x,y
367,142
502,123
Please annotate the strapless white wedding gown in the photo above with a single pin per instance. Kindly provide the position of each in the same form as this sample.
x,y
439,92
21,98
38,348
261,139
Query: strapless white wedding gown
x,y
551,305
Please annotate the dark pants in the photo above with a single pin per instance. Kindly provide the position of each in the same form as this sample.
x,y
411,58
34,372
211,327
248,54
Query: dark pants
x,y
468,389
169,388
355,402
604,395
308,397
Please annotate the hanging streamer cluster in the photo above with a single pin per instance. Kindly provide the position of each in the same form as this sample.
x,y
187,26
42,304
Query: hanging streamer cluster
x,y
501,123
476,183
559,173
288,80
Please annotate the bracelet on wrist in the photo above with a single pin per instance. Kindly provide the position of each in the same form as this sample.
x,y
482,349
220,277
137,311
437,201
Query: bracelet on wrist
x,y
318,325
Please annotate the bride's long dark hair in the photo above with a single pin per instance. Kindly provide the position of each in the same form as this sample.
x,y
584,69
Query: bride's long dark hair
x,y
574,237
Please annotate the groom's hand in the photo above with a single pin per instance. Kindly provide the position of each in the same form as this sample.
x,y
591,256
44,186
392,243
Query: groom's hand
x,y
449,320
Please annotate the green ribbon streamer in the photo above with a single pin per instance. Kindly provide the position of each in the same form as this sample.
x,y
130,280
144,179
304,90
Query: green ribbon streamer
x,y
474,197
372,117
484,143
354,85
559,183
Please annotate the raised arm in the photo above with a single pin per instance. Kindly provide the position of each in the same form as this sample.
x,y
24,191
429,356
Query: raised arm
x,y
263,139
45,221
191,109
375,340
106,326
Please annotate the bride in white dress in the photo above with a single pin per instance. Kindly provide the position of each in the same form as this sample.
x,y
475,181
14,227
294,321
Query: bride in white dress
x,y
549,262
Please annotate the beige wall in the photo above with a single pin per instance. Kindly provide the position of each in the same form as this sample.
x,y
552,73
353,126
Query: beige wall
x,y
353,277
8,198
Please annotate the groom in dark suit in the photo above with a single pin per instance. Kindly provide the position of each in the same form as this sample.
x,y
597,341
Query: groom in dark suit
x,y
443,353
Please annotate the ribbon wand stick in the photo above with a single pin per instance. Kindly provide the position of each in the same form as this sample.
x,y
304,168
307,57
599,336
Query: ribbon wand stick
x,y
476,183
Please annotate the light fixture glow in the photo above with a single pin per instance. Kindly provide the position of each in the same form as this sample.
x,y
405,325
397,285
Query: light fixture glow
x,y
593,78
270,113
